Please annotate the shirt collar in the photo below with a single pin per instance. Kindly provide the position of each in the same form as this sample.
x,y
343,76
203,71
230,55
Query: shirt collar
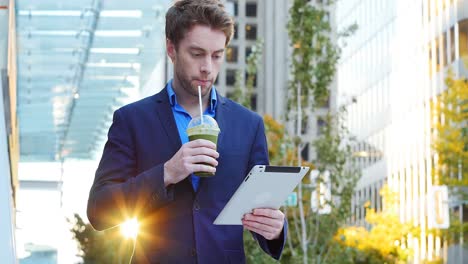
x,y
173,97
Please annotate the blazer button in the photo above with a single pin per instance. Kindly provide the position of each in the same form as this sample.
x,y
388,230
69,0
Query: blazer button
x,y
193,252
196,206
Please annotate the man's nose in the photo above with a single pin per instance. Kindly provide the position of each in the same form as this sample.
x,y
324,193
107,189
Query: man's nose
x,y
206,66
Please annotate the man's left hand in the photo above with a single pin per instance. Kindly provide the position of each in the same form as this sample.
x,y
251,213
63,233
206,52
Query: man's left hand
x,y
266,222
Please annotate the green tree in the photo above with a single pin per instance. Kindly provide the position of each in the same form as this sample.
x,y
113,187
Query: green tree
x,y
450,112
243,93
96,247
319,229
314,61
314,58
450,143
279,154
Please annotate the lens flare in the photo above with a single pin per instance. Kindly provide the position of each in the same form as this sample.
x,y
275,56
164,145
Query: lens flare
x,y
129,228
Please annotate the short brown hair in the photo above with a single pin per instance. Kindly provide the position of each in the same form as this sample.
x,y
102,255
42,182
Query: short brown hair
x,y
184,14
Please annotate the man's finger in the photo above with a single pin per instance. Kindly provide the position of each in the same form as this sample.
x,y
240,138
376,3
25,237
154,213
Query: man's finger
x,y
271,213
201,143
259,226
275,223
204,151
202,168
204,159
265,234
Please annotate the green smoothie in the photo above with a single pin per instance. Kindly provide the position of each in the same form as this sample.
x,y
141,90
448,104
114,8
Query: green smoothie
x,y
211,138
207,130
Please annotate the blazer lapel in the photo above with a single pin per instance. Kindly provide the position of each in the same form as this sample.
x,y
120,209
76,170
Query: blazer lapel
x,y
164,112
220,116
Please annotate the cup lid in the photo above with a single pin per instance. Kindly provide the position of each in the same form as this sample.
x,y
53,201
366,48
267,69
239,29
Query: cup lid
x,y
208,122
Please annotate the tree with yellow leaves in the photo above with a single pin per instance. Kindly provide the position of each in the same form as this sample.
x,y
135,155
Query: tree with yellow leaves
x,y
450,144
382,243
450,137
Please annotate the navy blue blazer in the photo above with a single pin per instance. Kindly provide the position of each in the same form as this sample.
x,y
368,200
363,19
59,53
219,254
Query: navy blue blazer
x,y
176,222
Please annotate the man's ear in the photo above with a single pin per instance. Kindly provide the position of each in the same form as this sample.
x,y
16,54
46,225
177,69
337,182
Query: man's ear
x,y
170,49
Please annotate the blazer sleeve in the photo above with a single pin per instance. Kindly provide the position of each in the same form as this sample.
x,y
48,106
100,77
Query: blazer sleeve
x,y
259,155
118,193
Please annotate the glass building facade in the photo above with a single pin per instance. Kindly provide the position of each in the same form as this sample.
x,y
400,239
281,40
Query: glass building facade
x,y
391,69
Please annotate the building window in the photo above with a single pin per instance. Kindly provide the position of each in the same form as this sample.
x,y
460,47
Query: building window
x,y
253,102
305,126
251,9
381,199
326,17
376,198
232,7
452,44
359,205
430,59
442,45
254,79
248,50
465,213
463,38
231,54
251,32
305,152
321,123
230,77
235,31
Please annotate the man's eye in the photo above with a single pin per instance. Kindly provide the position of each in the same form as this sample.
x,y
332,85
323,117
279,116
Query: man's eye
x,y
196,54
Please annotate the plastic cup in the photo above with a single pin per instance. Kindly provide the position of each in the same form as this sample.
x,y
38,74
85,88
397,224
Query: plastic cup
x,y
207,130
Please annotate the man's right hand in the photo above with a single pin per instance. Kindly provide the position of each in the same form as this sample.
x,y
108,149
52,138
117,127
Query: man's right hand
x,y
188,160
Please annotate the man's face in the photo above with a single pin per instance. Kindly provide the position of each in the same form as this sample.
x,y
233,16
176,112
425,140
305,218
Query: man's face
x,y
197,59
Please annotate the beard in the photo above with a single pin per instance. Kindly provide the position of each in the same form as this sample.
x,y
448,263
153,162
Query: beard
x,y
190,84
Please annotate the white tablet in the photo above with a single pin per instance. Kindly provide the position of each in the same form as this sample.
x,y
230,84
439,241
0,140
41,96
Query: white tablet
x,y
264,187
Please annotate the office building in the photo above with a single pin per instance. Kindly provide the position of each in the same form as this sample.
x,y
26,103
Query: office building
x,y
264,20
390,70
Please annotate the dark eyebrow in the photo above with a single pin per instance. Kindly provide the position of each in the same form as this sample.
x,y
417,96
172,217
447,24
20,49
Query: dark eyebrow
x,y
195,48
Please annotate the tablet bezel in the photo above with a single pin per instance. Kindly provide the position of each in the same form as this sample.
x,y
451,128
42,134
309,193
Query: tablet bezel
x,y
264,187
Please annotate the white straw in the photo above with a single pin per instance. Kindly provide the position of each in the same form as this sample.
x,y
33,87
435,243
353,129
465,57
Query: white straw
x,y
200,102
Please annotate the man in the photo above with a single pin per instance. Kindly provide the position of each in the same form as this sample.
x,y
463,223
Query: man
x,y
147,165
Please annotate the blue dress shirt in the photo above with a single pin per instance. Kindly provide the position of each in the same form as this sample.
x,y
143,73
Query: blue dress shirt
x,y
182,119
